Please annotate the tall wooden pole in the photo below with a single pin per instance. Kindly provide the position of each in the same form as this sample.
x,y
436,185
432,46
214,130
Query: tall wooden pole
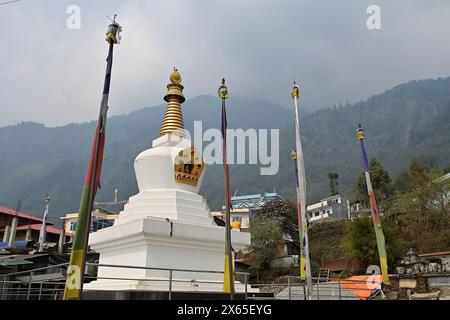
x,y
305,263
228,283
381,244
75,273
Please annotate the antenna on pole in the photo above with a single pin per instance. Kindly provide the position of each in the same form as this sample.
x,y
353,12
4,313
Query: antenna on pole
x,y
113,19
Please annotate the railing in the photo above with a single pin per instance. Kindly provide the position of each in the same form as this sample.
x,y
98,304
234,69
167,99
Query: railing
x,y
27,285
15,289
334,289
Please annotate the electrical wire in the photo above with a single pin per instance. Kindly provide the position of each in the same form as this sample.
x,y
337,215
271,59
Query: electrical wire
x,y
9,2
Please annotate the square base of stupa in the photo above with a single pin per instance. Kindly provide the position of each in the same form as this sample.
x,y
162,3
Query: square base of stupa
x,y
163,244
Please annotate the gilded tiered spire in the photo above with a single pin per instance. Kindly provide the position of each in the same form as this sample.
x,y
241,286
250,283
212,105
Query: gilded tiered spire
x,y
173,119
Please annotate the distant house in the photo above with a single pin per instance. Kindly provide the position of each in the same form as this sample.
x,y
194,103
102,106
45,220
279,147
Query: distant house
x,y
332,208
25,226
245,207
101,218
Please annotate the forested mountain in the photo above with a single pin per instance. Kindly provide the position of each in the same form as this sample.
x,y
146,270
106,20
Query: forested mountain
x,y
407,121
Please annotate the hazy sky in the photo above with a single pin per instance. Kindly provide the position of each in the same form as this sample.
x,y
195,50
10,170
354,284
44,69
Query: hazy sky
x,y
54,75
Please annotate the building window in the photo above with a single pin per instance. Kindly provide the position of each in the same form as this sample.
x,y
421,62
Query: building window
x,y
73,226
98,224
237,219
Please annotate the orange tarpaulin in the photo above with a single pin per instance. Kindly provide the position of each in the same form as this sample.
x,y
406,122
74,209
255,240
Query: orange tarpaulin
x,y
362,286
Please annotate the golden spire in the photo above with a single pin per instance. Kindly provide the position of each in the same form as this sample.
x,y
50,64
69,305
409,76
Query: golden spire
x,y
295,91
173,119
361,133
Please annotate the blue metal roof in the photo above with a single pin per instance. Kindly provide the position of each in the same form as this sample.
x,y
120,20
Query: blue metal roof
x,y
272,195
17,244
253,200
246,197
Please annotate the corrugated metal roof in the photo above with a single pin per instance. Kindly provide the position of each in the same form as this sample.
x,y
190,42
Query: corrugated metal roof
x,y
23,256
442,253
36,227
18,259
10,212
272,195
246,197
16,244
14,262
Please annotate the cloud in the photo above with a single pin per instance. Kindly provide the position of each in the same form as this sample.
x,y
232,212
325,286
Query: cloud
x,y
54,75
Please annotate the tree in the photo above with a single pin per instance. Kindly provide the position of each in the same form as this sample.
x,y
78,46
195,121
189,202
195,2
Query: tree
x,y
284,213
361,241
423,212
428,194
326,240
380,183
266,239
403,182
333,178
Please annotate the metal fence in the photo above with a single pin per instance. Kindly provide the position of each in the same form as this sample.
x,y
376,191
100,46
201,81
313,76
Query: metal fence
x,y
48,283
294,288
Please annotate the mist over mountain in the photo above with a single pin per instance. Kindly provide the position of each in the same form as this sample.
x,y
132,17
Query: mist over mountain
x,y
407,121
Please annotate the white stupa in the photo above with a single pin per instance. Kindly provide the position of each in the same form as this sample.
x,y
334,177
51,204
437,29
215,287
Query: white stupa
x,y
167,224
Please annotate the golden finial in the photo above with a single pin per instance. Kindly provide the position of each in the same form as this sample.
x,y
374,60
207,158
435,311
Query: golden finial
x,y
175,76
173,118
361,133
223,90
113,33
294,155
295,91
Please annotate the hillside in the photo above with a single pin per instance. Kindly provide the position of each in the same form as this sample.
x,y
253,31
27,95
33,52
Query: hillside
x,y
404,122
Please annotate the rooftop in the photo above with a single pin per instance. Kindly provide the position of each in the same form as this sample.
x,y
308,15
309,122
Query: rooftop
x,y
442,253
36,227
14,213
253,200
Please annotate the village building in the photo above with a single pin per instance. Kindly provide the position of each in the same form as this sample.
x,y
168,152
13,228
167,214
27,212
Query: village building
x,y
332,208
244,208
101,218
16,226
